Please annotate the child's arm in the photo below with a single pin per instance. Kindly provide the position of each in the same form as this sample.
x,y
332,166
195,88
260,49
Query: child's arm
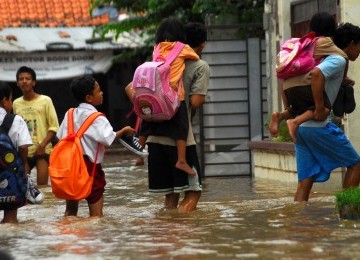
x,y
49,136
127,130
130,92
23,152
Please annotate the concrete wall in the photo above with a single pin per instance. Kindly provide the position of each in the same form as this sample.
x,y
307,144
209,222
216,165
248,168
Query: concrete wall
x,y
350,10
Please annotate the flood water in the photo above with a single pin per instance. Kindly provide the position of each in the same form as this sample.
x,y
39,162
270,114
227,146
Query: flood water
x,y
237,218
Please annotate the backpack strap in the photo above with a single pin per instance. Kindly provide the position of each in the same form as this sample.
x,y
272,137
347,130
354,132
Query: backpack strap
x,y
71,121
8,121
88,121
173,53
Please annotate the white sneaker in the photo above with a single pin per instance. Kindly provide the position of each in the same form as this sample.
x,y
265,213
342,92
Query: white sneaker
x,y
33,194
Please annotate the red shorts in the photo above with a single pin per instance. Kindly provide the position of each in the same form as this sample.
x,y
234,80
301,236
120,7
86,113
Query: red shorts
x,y
99,183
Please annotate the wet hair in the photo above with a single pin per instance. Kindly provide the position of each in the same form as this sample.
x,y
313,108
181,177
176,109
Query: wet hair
x,y
170,29
323,24
25,69
345,34
5,90
196,34
81,87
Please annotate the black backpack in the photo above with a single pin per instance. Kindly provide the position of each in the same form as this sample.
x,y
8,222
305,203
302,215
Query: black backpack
x,y
345,101
13,180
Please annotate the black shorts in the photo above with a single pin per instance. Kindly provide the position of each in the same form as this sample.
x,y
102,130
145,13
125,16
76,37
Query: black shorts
x,y
32,160
164,178
300,99
176,128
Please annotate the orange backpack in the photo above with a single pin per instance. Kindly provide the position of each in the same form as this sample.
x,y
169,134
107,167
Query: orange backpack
x,y
69,177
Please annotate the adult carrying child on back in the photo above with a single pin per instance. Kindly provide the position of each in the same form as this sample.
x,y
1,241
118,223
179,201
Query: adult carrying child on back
x,y
297,90
170,36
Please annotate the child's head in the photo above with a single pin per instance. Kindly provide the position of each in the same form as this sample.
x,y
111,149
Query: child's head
x,y
26,79
170,29
347,38
86,90
323,24
196,34
5,96
28,70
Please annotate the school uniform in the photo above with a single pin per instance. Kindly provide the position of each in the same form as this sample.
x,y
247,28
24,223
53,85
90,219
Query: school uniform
x,y
18,132
20,136
99,134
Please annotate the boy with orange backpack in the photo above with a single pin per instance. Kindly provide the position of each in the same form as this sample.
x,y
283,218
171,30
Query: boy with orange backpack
x,y
99,134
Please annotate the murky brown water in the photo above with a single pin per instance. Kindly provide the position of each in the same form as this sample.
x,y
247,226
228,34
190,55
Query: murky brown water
x,y
237,218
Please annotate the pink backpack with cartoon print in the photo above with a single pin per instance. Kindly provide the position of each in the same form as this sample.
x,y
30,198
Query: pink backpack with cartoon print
x,y
155,100
296,56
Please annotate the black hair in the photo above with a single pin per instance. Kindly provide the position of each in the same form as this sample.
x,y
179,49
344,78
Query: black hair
x,y
81,87
25,69
345,34
196,34
5,90
323,24
170,29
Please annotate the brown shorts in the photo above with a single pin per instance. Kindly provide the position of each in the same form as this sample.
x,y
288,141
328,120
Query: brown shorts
x,y
99,183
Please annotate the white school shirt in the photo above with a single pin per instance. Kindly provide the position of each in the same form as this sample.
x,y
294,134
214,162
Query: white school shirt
x,y
18,132
99,132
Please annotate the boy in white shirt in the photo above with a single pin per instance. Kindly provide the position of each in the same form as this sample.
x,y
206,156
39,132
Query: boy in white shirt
x,y
88,93
20,137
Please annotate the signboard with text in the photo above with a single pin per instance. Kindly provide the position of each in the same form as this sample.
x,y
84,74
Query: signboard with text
x,y
55,65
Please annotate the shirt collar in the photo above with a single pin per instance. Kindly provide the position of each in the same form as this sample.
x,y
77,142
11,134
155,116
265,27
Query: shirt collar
x,y
2,111
87,106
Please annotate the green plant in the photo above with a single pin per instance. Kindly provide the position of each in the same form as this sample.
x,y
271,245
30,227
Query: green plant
x,y
283,133
348,197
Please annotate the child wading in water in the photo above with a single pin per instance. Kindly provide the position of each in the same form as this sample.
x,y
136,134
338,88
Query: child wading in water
x,y
88,93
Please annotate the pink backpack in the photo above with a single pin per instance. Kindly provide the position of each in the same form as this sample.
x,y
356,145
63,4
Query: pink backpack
x,y
296,56
155,100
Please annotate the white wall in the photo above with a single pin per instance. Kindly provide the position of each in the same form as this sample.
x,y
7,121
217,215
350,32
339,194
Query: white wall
x,y
350,10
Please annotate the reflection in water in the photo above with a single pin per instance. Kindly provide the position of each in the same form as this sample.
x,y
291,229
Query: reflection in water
x,y
237,218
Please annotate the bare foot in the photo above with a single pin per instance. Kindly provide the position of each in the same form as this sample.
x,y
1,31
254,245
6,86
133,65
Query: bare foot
x,y
292,127
274,124
139,161
185,167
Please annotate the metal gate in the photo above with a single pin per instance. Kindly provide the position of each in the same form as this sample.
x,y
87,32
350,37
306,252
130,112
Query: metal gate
x,y
235,111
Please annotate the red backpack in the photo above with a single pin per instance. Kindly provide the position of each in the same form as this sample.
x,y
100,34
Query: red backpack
x,y
69,177
296,56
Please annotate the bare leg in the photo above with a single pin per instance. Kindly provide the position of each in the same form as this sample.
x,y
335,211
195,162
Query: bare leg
x,y
190,201
352,177
293,124
96,209
10,216
171,200
181,163
42,171
72,207
303,190
140,160
275,120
